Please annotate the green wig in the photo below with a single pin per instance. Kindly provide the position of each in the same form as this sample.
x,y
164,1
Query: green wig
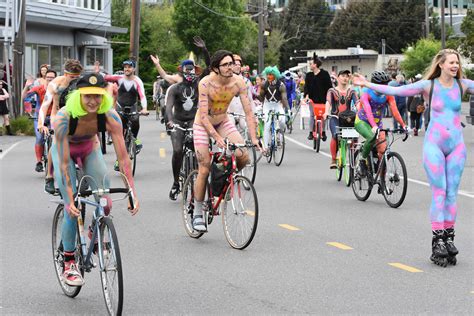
x,y
272,70
75,109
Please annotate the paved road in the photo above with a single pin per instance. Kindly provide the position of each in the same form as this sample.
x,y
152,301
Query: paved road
x,y
290,270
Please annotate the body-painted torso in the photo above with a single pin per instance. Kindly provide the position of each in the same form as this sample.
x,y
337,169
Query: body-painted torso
x,y
377,103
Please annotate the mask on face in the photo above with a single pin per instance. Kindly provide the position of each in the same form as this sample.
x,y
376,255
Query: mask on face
x,y
189,75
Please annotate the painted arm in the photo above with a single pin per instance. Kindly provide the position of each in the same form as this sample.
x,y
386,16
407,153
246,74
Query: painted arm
x,y
249,116
469,86
114,128
51,91
170,78
364,98
141,93
170,103
401,91
112,78
327,109
203,110
61,131
396,114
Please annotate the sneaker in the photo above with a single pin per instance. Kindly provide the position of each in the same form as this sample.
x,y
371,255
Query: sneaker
x,y
363,167
174,191
324,137
198,224
310,136
116,166
49,186
109,140
71,274
415,132
39,167
138,146
333,164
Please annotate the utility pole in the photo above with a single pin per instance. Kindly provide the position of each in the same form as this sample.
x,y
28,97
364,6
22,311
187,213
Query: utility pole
x,y
19,58
261,30
383,54
135,31
451,13
443,32
427,19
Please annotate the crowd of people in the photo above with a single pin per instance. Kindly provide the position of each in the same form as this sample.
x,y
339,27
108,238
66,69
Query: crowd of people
x,y
77,106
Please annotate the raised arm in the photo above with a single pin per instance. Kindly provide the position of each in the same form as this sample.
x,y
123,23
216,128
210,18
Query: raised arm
x,y
170,78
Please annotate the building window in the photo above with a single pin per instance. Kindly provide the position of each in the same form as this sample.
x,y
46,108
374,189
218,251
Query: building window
x,y
93,55
43,55
354,69
56,58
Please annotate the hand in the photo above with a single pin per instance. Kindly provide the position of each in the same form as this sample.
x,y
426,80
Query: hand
x,y
170,124
359,80
375,129
325,116
220,141
136,205
256,143
199,42
145,112
155,59
72,210
44,130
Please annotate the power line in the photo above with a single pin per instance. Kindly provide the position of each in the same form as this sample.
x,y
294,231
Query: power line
x,y
223,15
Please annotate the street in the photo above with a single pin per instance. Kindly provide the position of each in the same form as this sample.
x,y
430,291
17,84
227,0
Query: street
x,y
317,249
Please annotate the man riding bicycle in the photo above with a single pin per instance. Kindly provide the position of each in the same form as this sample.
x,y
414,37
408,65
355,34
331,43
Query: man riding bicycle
x,y
88,110
130,90
369,117
181,107
339,99
215,93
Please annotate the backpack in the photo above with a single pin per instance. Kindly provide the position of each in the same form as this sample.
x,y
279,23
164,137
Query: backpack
x,y
347,117
64,94
221,167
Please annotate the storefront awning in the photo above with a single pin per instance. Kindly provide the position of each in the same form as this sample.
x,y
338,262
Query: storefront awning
x,y
85,39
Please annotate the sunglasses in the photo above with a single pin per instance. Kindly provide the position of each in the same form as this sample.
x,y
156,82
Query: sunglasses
x,y
227,65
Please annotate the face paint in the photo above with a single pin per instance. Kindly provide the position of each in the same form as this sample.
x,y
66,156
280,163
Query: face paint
x,y
270,77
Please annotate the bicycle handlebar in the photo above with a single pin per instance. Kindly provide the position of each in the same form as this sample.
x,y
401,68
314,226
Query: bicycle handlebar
x,y
394,131
101,192
133,113
176,126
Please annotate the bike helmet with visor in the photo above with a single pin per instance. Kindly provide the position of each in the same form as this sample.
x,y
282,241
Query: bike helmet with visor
x,y
380,77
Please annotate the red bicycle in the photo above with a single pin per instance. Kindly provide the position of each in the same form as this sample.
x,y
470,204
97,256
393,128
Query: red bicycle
x,y
318,110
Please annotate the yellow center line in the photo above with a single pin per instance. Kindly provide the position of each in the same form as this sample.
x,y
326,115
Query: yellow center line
x,y
162,153
250,213
339,245
162,135
472,292
289,227
405,267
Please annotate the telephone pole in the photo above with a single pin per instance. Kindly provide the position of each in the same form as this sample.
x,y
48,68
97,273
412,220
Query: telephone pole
x,y
19,57
427,19
135,31
261,30
443,32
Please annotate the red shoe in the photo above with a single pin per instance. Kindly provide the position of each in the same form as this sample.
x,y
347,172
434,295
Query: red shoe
x,y
71,274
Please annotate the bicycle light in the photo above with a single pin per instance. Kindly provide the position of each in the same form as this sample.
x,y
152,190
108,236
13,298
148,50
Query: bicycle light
x,y
103,202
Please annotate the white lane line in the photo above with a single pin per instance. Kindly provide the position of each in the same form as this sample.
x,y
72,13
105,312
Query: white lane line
x,y
5,152
460,192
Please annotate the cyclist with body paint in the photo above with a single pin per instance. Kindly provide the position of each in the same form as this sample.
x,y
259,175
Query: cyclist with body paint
x,y
444,151
88,109
369,117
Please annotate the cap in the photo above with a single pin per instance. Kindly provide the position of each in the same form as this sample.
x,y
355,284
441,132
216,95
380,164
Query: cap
x,y
342,72
92,83
188,62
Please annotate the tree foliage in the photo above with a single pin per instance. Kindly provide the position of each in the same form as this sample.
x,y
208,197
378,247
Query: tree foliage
x,y
467,27
304,25
418,58
212,24
398,22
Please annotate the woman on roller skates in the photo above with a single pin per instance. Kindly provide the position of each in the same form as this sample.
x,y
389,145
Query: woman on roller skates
x,y
444,151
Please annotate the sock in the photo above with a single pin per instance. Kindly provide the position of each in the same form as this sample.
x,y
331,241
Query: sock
x,y
198,208
333,147
39,152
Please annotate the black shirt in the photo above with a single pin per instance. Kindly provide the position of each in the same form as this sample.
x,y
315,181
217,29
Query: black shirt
x,y
317,86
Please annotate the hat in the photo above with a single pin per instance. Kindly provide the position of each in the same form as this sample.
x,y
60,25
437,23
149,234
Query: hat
x,y
342,72
189,62
92,83
418,76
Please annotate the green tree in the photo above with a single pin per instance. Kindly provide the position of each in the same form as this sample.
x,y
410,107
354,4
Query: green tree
x,y
398,22
467,27
304,25
222,24
418,58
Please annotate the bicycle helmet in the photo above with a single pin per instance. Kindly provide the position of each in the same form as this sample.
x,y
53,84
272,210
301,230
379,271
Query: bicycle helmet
x,y
380,77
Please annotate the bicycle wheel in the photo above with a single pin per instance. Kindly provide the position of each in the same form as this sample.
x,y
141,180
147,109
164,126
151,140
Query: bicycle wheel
x,y
394,180
360,184
132,153
339,161
188,205
279,149
240,213
317,137
58,254
250,170
346,160
110,263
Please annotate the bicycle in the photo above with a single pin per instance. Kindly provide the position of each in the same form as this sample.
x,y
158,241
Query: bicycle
x,y
390,173
103,243
318,128
189,156
130,140
250,170
276,148
293,113
346,140
240,204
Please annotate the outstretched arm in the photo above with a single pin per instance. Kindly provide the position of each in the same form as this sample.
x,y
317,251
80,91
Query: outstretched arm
x,y
418,87
469,85
170,78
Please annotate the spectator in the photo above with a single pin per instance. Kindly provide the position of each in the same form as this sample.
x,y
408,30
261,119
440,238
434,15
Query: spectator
x,y
416,106
4,107
401,101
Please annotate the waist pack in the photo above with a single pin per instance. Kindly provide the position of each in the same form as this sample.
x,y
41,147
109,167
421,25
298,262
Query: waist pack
x,y
347,118
220,170
420,108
